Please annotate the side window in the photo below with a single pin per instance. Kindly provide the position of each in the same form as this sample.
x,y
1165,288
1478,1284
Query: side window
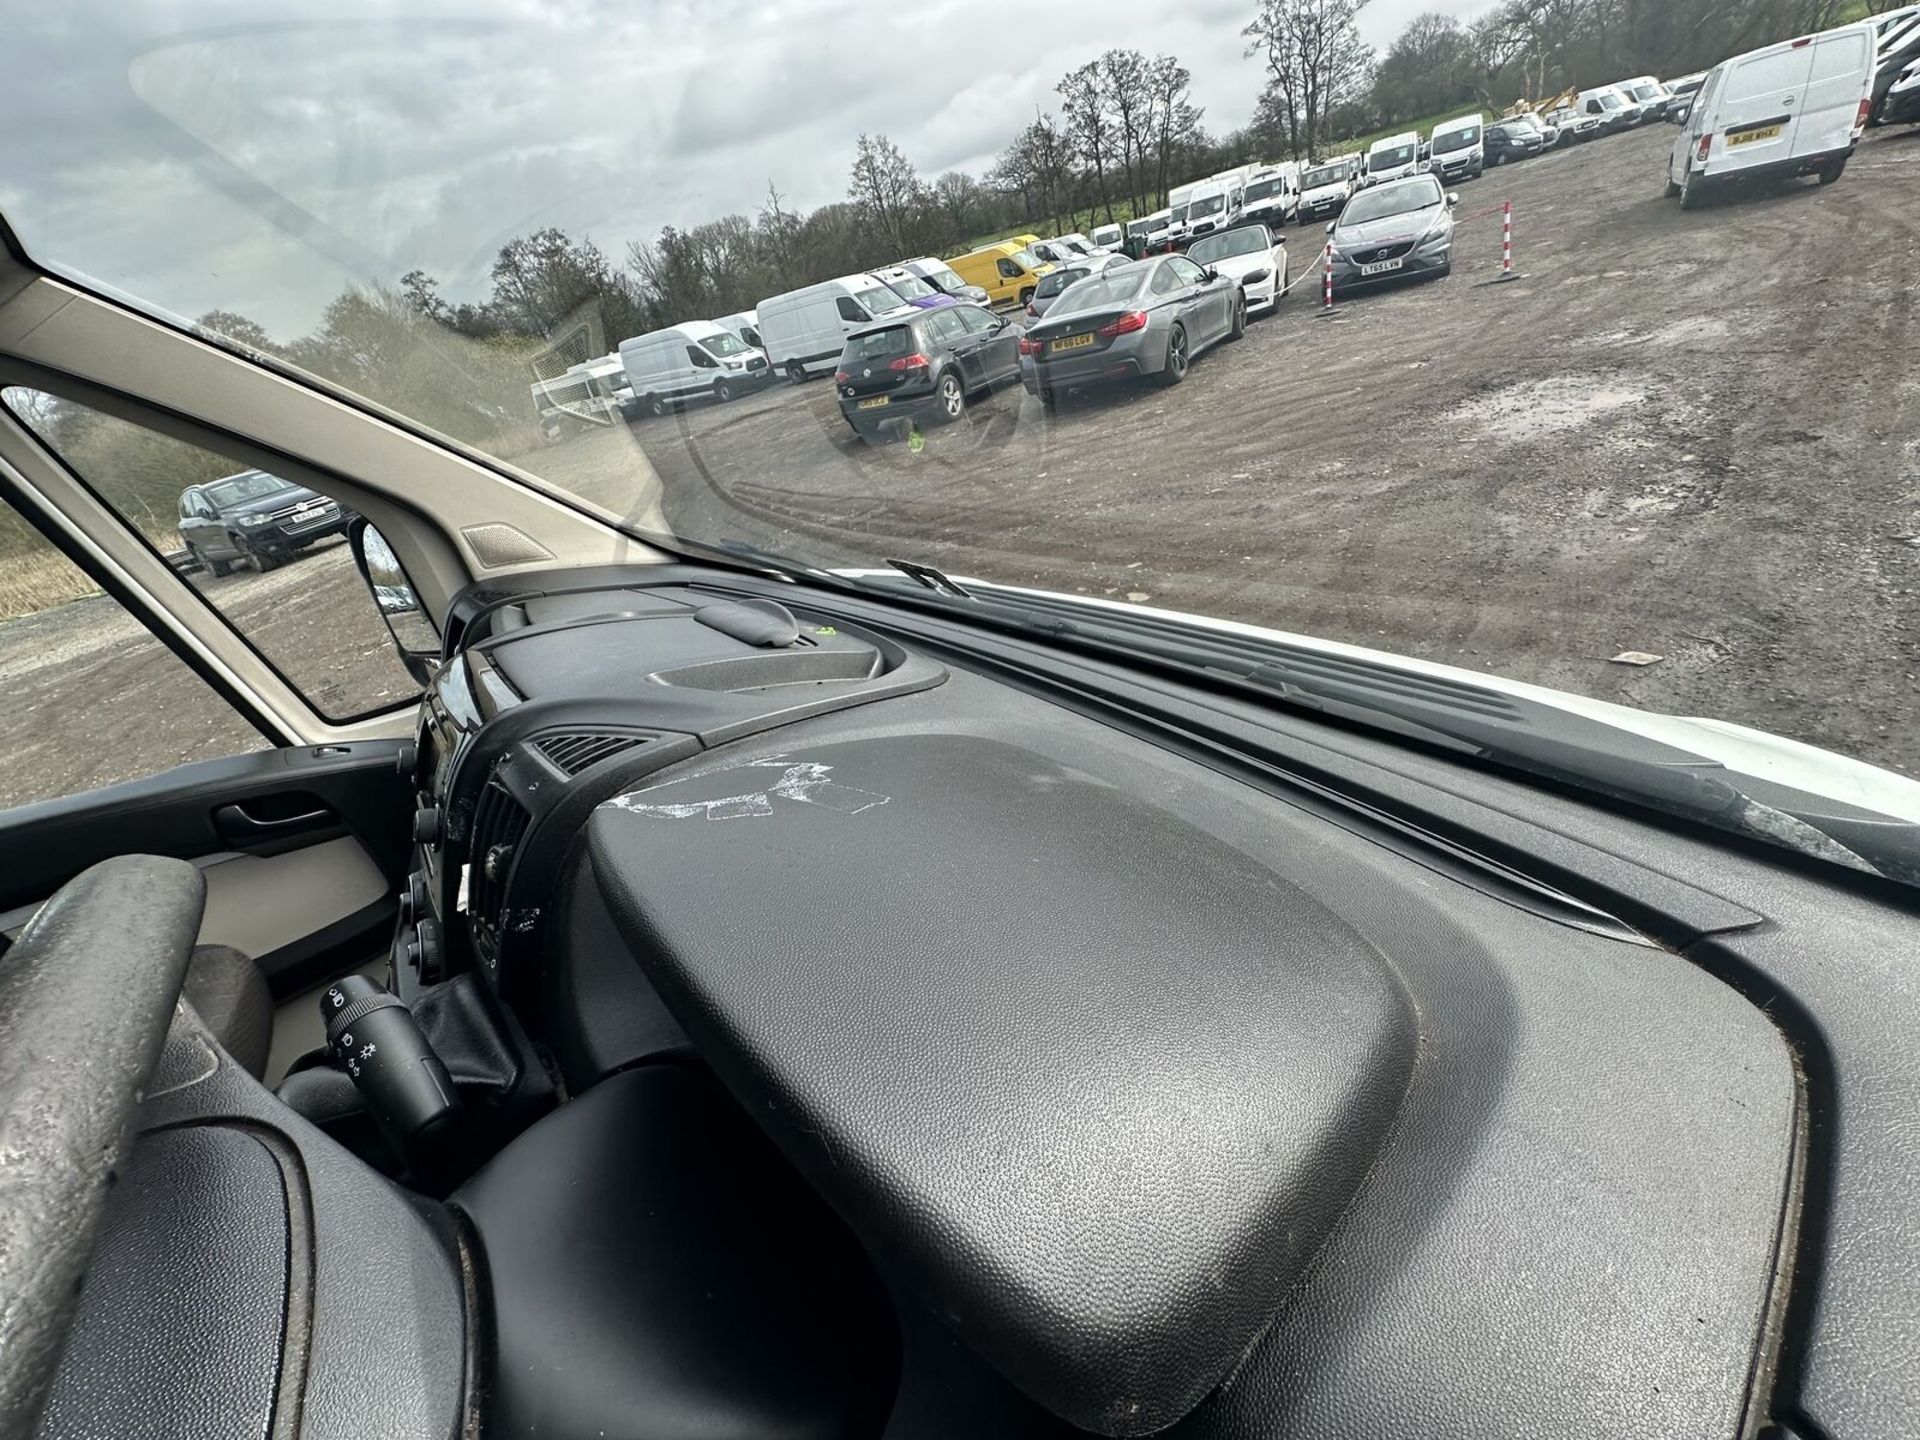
x,y
974,318
266,553
699,358
1185,271
1165,281
1593,107
93,698
946,325
752,337
1008,270
850,309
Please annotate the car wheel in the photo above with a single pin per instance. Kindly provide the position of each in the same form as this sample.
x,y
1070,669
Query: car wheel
x,y
263,560
1239,326
1048,397
1689,192
722,391
796,372
657,405
1671,190
1499,160
1178,361
1026,296
1832,170
953,398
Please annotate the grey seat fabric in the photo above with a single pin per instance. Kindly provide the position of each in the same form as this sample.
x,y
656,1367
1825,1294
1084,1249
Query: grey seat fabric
x,y
229,993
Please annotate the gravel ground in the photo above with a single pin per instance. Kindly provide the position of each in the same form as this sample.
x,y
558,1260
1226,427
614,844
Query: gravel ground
x,y
1695,434
1691,434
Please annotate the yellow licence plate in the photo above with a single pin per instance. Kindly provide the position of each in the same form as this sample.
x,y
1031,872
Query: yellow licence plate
x,y
874,404
1071,342
1745,137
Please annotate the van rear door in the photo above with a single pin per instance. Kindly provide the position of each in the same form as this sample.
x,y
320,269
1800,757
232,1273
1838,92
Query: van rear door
x,y
1753,118
1840,77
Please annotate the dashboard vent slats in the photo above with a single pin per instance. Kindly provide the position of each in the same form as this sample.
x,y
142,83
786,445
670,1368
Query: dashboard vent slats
x,y
499,824
574,752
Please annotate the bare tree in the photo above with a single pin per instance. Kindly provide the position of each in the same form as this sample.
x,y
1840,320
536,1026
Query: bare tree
x,y
1315,61
1175,120
1084,105
885,186
1126,87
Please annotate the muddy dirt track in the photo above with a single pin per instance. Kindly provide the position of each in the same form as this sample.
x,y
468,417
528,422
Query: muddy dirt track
x,y
1695,434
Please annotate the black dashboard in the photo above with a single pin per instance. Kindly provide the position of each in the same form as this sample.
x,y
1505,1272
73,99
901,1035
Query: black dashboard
x,y
1173,1066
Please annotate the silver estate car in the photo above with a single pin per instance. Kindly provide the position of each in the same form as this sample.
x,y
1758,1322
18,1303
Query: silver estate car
x,y
1401,228
1147,317
1052,286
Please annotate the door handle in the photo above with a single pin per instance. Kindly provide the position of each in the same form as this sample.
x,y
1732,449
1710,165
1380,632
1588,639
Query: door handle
x,y
233,821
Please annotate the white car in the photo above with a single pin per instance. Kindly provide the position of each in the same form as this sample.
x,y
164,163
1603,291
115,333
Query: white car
x,y
1250,254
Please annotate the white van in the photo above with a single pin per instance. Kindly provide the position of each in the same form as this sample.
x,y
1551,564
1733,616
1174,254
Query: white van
x,y
1273,195
806,329
1107,237
594,392
1215,205
1796,108
1456,149
695,361
1391,158
746,325
1177,199
1151,230
1615,109
944,278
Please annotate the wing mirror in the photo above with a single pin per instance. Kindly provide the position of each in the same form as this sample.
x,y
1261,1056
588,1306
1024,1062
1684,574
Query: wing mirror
x,y
1453,197
1332,225
414,634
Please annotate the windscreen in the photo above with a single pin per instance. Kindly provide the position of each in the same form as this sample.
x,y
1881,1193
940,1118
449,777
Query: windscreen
x,y
1391,200
1447,141
1621,479
910,287
1265,189
242,488
1245,240
1207,205
723,345
1051,285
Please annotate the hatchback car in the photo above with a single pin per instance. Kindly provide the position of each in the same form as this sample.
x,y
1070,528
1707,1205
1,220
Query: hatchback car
x,y
1147,317
923,366
1401,228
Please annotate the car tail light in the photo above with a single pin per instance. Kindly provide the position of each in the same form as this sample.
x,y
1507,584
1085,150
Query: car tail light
x,y
915,361
1706,144
1866,110
1031,311
840,377
1031,347
1128,323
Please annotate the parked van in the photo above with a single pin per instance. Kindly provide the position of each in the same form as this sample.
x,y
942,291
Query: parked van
x,y
1273,195
941,276
1324,191
1177,199
1456,149
594,392
1107,237
806,329
1796,108
695,361
1215,205
1391,158
1150,231
1613,107
1006,270
746,325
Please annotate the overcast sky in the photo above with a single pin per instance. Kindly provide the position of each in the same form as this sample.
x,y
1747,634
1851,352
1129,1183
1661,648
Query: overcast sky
x,y
195,155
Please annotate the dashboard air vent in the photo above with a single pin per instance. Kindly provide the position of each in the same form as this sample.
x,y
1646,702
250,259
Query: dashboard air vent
x,y
499,825
575,751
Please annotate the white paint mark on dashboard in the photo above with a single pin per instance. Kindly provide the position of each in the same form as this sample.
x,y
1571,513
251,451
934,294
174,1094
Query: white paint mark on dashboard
x,y
805,782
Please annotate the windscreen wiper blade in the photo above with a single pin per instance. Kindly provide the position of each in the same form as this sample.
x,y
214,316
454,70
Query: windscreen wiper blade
x,y
1540,740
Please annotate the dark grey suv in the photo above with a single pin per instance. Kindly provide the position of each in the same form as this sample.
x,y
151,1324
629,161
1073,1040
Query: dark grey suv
x,y
254,518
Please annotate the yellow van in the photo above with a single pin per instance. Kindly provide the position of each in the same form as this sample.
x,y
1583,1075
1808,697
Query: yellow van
x,y
1005,270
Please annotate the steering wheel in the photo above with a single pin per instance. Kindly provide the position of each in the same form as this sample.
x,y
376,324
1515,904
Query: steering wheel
x,y
86,996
